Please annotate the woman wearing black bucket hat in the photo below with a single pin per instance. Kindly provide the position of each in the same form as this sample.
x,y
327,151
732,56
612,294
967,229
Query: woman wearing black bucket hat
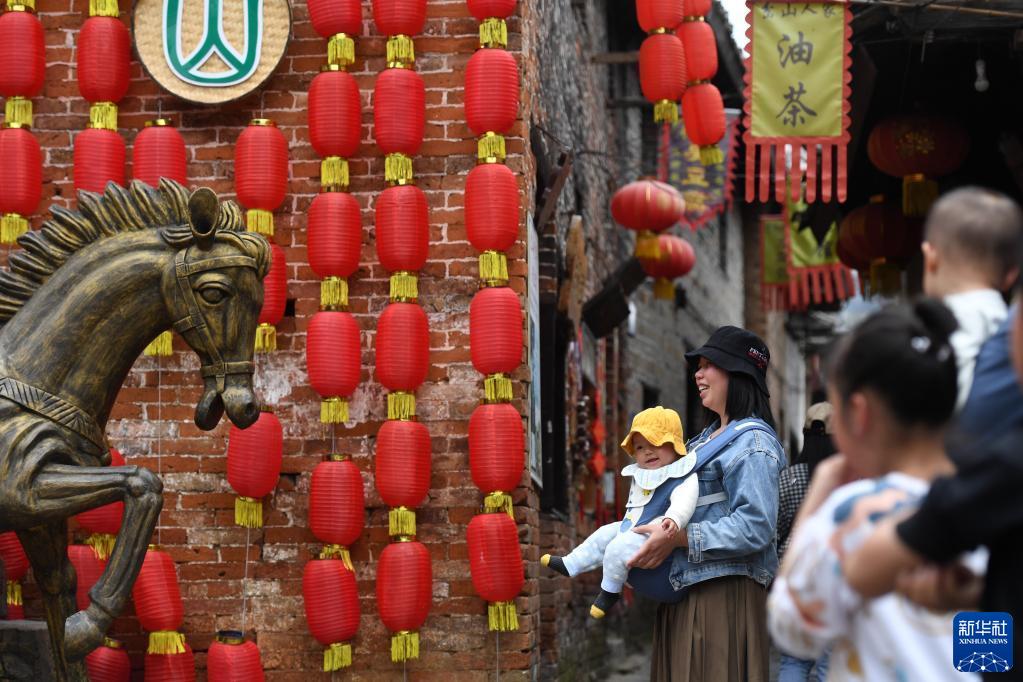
x,y
725,557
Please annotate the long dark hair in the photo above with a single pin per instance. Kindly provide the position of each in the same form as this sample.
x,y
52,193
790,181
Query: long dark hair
x,y
817,446
745,399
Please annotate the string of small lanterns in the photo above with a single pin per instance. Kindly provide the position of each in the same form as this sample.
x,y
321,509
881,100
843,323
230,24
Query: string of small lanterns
x,y
702,107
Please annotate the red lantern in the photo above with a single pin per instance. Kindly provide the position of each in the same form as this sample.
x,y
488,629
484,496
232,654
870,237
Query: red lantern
x,y
335,124
917,147
496,566
16,566
158,603
337,512
88,568
491,15
159,152
253,466
495,338
99,158
879,239
334,361
261,173
21,179
696,8
404,592
178,667
399,120
659,14
403,356
676,260
331,609
275,299
701,50
22,62
403,237
104,59
496,453
109,662
492,217
403,472
491,99
103,523
334,234
704,113
339,21
232,659
399,20
648,207
662,74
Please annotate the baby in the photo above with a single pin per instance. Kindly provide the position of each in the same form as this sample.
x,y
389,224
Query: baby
x,y
661,492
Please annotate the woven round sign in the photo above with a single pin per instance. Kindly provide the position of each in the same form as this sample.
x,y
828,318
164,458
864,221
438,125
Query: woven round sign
x,y
211,51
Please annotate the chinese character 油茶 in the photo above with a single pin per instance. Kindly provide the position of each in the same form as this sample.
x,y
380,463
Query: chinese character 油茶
x,y
799,51
794,111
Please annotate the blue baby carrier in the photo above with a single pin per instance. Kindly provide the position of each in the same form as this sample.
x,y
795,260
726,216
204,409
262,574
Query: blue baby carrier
x,y
654,583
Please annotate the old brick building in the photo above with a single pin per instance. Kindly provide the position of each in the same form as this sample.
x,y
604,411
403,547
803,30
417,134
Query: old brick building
x,y
580,136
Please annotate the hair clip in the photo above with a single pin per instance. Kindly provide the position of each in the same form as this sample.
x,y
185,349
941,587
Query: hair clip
x,y
921,344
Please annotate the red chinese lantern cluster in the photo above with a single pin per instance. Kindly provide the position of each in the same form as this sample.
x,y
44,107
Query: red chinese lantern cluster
x,y
109,662
16,566
275,300
261,173
676,260
334,361
878,240
336,506
496,566
648,207
331,609
104,61
173,667
402,472
21,173
103,523
158,603
662,59
22,61
88,569
404,591
702,107
496,453
254,465
403,238
232,659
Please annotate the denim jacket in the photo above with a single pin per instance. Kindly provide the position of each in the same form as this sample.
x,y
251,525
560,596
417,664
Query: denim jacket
x,y
735,536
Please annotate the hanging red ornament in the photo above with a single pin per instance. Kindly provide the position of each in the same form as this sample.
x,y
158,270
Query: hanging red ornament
x,y
700,48
403,356
676,260
879,240
696,8
104,62
159,152
492,218
495,338
334,235
339,21
88,569
648,207
275,300
261,173
99,158
21,180
337,512
16,567
399,20
335,124
662,74
491,15
109,662
654,15
254,465
491,100
22,62
402,472
403,238
232,659
331,609
399,120
334,361
496,566
496,453
179,667
404,591
158,603
103,523
704,113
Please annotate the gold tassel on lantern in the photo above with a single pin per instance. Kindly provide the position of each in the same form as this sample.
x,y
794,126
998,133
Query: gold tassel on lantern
x,y
498,388
338,655
710,155
401,405
103,8
918,193
334,293
18,112
338,552
166,642
493,33
162,345
260,221
498,501
334,174
404,646
647,245
248,512
494,268
502,616
664,289
490,148
334,411
14,593
266,338
340,50
401,521
401,51
103,115
12,226
666,110
398,168
404,286
102,544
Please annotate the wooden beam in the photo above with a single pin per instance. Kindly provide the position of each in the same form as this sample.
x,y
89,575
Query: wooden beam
x,y
549,199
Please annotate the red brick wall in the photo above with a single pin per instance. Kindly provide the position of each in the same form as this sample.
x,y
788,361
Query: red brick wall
x,y
197,522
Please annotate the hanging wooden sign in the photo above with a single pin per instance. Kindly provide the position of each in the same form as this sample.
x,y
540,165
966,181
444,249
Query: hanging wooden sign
x,y
211,51
797,98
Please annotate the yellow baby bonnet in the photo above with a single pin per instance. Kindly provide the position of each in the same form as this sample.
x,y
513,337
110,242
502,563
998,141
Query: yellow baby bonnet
x,y
659,425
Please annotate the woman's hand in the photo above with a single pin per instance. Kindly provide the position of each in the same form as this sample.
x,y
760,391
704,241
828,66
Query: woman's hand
x,y
941,588
659,544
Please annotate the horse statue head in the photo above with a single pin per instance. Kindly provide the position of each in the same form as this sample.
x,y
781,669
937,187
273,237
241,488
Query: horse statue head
x,y
79,303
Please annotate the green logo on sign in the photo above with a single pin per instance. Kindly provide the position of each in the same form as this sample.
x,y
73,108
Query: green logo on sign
x,y
213,43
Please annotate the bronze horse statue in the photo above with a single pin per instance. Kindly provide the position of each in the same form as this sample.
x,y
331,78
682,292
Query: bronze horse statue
x,y
78,305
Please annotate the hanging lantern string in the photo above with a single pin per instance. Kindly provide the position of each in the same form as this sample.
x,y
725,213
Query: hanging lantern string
x,y
497,656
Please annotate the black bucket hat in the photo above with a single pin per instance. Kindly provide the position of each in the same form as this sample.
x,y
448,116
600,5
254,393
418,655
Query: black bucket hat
x,y
735,350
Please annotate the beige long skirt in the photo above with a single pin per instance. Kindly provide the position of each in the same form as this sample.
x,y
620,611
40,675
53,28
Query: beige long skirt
x,y
717,634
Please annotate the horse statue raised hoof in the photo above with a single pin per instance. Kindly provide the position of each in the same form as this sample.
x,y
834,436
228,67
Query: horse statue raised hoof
x,y
86,294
